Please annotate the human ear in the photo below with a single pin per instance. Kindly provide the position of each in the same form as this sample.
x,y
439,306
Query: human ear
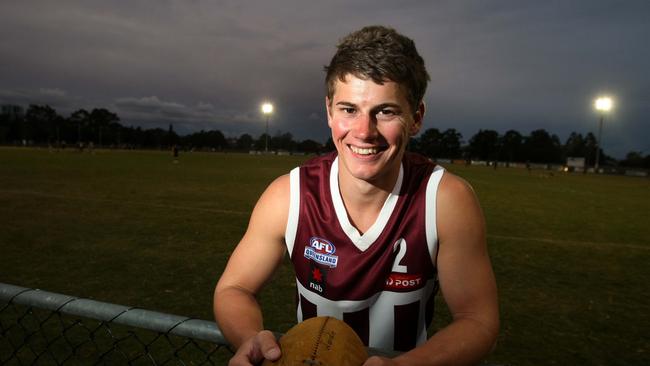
x,y
328,108
418,117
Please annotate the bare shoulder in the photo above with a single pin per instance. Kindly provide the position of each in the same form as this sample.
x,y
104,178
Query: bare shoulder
x,y
272,208
261,248
460,214
464,268
279,185
455,191
276,194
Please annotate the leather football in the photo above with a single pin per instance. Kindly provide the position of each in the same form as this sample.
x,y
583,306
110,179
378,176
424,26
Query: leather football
x,y
321,341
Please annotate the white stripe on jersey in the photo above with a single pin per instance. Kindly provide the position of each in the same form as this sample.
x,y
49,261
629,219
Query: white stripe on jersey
x,y
430,212
294,209
381,311
364,241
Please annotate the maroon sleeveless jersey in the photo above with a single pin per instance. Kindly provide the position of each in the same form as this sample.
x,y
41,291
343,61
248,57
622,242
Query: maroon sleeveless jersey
x,y
381,283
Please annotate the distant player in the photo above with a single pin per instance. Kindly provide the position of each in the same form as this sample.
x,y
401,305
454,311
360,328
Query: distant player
x,y
372,231
175,153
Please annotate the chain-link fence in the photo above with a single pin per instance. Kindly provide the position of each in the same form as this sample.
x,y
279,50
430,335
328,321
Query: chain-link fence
x,y
44,328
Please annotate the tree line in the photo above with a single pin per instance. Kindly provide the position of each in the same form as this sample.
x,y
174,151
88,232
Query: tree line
x,y
42,125
99,127
488,145
538,147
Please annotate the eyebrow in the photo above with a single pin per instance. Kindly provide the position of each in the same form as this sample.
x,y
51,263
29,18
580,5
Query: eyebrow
x,y
379,106
391,105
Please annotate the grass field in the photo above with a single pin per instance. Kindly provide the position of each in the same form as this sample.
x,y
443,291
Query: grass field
x,y
571,252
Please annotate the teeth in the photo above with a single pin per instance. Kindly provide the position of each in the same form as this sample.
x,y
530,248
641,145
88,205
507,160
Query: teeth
x,y
363,151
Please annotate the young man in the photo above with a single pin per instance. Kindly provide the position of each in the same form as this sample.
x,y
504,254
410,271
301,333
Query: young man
x,y
372,231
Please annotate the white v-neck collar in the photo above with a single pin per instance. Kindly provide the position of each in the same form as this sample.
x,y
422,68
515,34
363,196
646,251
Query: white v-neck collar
x,y
364,241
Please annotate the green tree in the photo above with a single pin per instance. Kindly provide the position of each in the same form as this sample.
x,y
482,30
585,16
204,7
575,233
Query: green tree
x,y
484,145
213,139
81,120
282,141
309,146
590,149
245,142
261,142
542,147
575,146
12,119
40,123
429,143
329,145
635,159
450,144
99,122
511,146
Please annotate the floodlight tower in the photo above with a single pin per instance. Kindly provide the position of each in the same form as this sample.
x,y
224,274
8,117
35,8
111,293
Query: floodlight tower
x,y
267,109
603,105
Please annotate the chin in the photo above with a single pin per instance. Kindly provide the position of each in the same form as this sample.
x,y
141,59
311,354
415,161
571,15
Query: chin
x,y
369,171
366,175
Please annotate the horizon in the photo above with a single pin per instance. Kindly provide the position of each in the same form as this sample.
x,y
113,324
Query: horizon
x,y
501,65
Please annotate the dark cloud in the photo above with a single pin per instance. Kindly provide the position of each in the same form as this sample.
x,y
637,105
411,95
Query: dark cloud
x,y
208,65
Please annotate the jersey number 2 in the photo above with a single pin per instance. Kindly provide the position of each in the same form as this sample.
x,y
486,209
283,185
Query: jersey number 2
x,y
397,267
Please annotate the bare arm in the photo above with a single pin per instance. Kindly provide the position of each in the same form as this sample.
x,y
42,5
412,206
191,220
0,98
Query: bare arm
x,y
466,280
250,266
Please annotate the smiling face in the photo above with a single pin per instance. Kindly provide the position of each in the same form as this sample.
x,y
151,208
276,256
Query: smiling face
x,y
371,124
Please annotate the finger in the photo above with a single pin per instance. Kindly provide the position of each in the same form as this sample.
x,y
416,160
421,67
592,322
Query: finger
x,y
240,360
376,361
268,345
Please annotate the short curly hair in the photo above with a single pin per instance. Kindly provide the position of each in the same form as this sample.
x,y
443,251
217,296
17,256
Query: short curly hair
x,y
381,54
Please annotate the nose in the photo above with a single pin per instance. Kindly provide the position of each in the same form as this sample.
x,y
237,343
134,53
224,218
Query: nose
x,y
365,127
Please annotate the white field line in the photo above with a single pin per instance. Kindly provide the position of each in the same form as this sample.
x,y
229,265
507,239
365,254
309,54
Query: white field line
x,y
122,202
573,242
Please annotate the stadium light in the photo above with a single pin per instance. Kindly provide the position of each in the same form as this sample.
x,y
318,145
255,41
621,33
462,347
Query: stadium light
x,y
267,109
603,105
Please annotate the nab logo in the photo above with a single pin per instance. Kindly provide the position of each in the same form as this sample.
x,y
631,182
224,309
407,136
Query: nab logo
x,y
317,279
321,251
322,245
316,287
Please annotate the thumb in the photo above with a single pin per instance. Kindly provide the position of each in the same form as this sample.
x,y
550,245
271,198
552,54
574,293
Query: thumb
x,y
268,345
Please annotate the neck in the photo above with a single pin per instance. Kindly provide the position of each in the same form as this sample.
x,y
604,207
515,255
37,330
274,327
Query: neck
x,y
363,199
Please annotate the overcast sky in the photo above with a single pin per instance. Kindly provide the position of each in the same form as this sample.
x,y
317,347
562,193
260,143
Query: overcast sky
x,y
501,65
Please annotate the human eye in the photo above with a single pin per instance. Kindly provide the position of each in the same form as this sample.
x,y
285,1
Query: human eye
x,y
387,113
347,110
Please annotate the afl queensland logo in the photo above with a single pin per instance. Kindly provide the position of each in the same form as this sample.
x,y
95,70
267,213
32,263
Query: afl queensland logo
x,y
321,251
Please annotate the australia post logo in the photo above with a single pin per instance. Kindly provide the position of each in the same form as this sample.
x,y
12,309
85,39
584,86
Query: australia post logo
x,y
321,251
403,282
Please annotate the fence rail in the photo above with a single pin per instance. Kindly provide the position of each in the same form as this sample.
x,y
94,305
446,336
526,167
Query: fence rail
x,y
45,328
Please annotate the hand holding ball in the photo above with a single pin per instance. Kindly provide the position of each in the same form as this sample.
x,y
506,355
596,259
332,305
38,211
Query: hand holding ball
x,y
321,341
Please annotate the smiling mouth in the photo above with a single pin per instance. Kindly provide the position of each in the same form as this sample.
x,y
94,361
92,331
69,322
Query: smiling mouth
x,y
365,150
